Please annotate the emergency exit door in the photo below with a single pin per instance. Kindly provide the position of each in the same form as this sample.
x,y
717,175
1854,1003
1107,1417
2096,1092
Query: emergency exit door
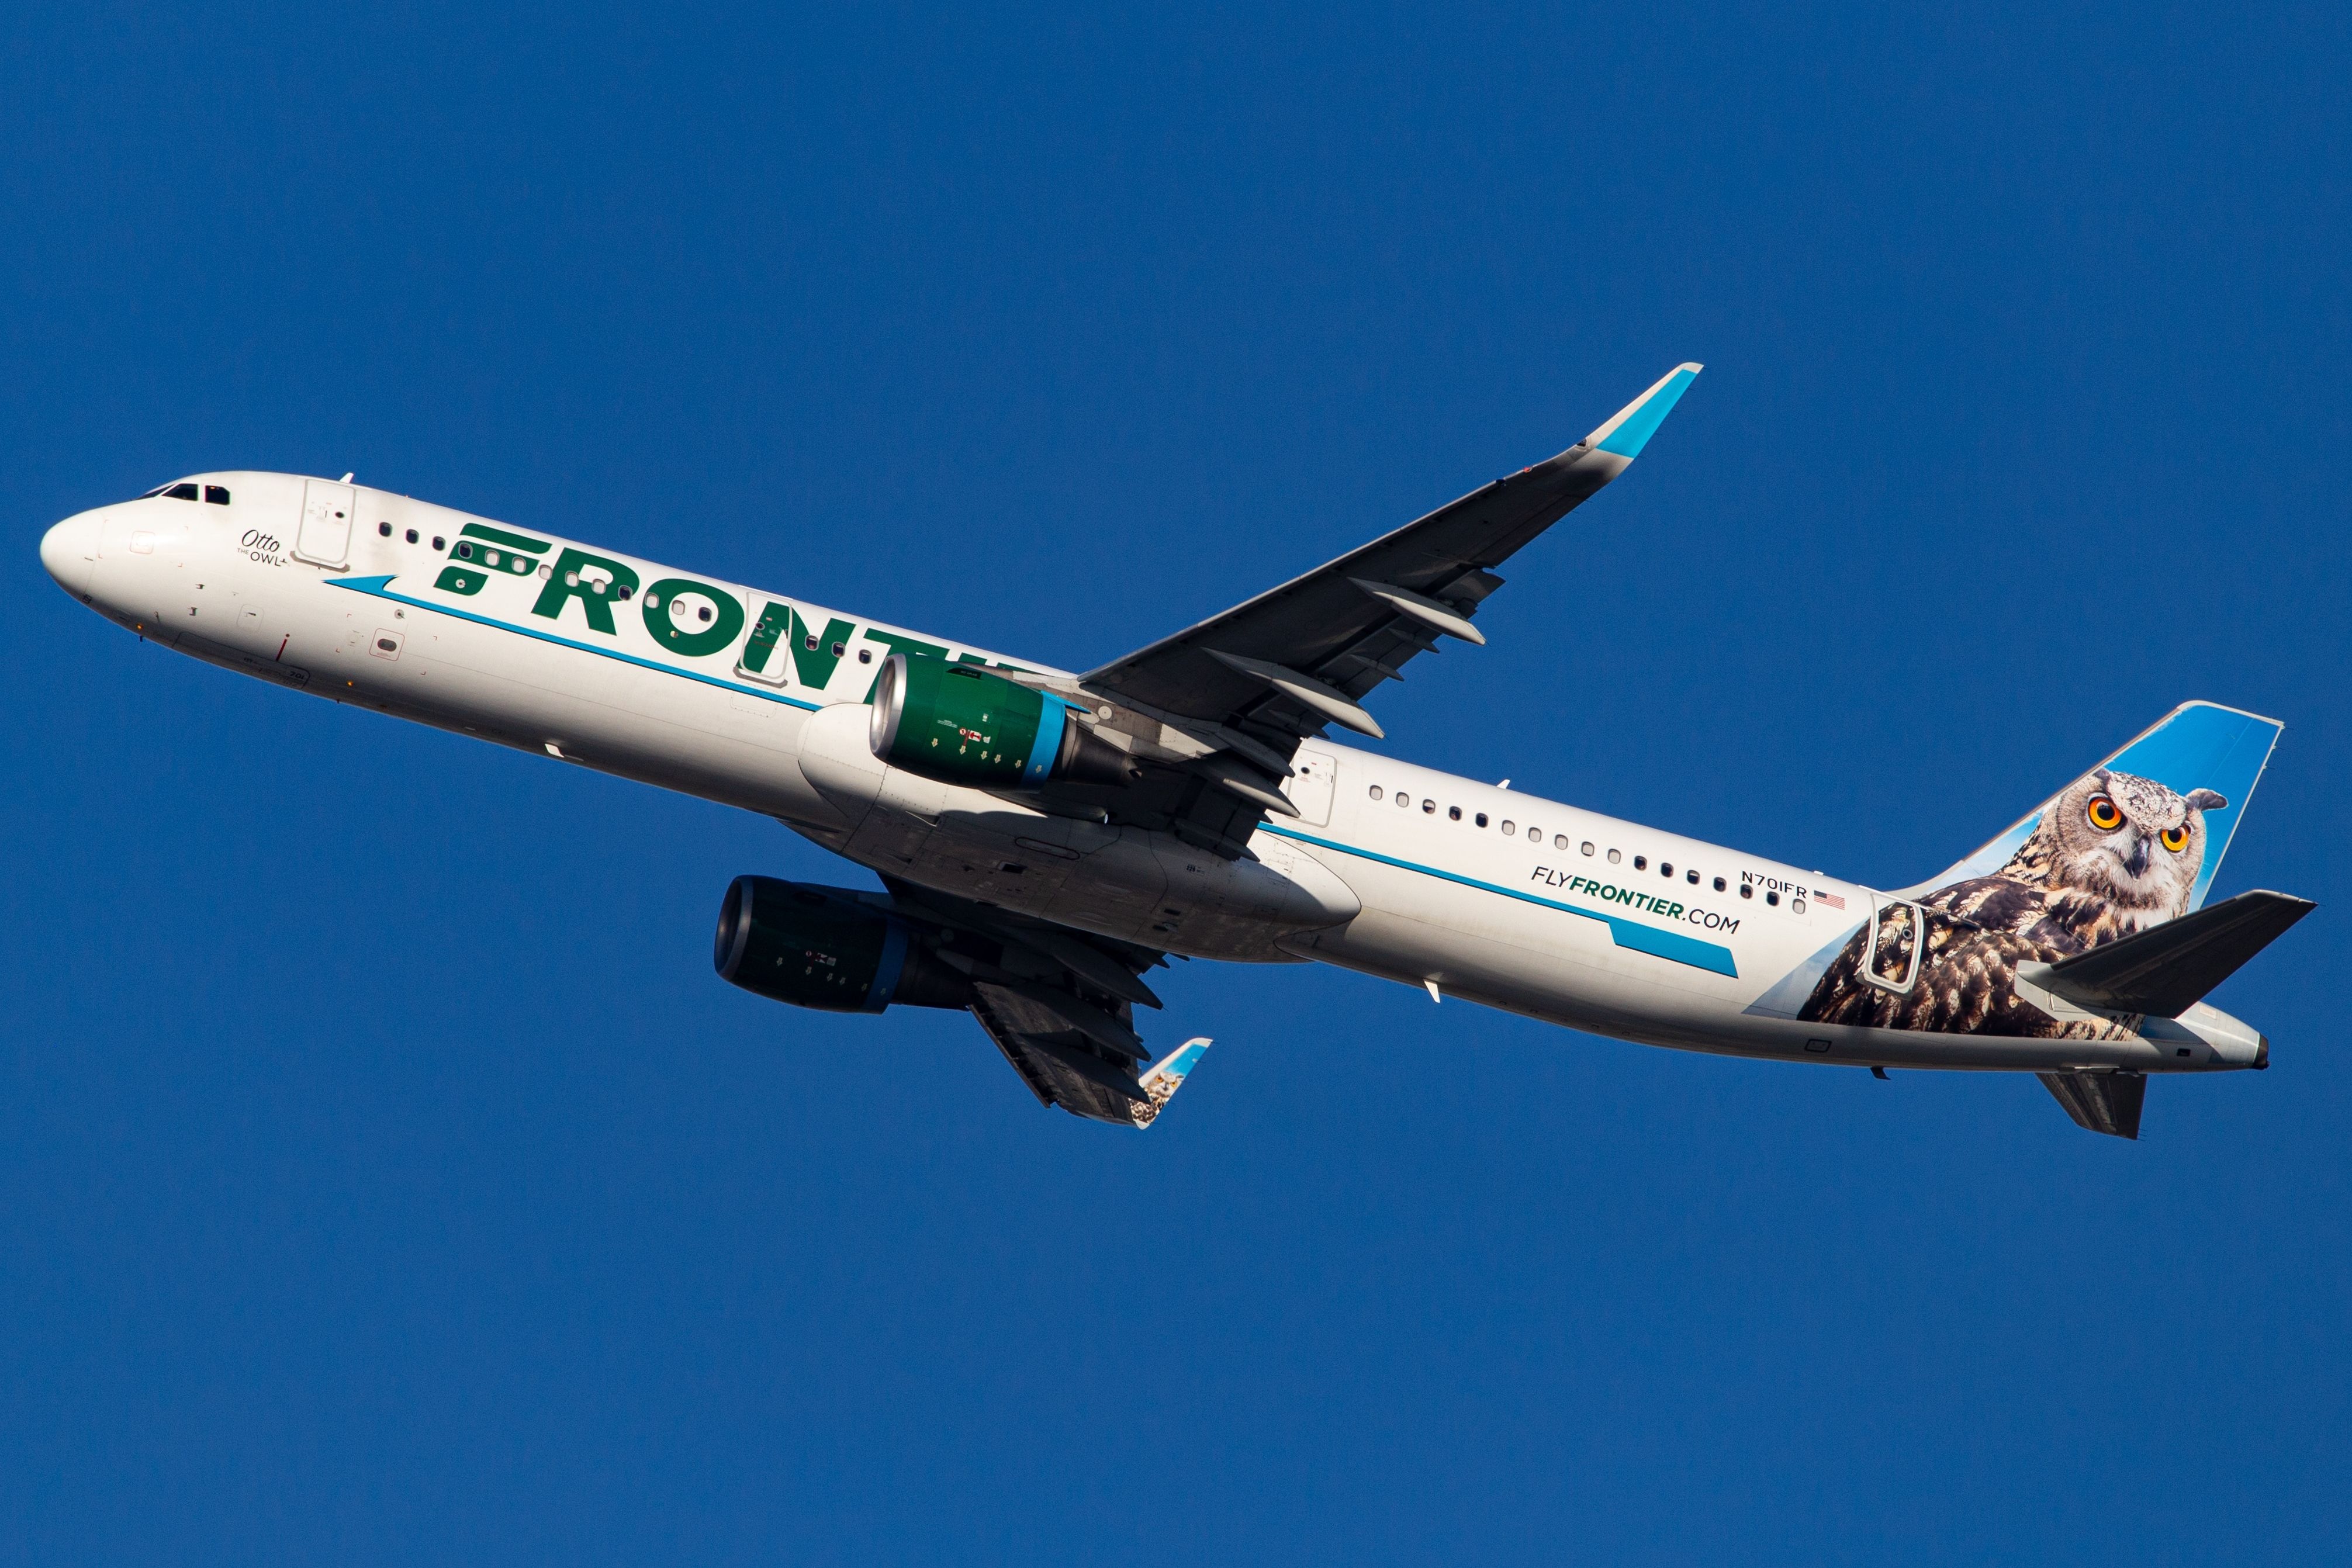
x,y
324,536
1309,785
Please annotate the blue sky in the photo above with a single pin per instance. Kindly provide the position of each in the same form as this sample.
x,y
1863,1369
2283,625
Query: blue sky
x,y
384,1174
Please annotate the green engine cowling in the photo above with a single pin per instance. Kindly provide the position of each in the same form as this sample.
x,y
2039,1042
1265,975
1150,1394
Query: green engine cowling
x,y
962,725
828,947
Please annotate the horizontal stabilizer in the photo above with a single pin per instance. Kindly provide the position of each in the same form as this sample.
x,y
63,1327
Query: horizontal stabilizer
x,y
2105,1102
2162,972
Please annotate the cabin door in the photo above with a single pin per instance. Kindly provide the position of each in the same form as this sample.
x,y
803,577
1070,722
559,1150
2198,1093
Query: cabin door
x,y
1309,787
1890,952
324,535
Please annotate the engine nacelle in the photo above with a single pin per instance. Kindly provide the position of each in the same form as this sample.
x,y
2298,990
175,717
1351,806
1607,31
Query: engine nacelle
x,y
828,947
960,724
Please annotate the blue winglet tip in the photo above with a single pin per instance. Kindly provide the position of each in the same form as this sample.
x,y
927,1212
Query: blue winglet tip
x,y
1626,434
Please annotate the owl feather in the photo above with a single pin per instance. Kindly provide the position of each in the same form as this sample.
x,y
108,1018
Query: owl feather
x,y
2114,854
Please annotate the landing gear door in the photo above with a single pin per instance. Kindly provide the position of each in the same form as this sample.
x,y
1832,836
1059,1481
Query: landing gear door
x,y
1313,773
1890,949
324,536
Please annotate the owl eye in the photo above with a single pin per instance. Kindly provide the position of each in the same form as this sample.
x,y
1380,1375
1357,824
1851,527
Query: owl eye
x,y
2175,838
2104,815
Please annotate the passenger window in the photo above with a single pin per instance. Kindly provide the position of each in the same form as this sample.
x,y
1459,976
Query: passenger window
x,y
1747,890
1719,884
703,613
436,543
412,535
1507,826
838,648
865,656
465,550
623,591
1482,819
1666,870
1772,898
1615,857
1587,845
1691,877
1454,813
216,494
1376,793
1404,800
383,530
1641,863
1429,807
181,493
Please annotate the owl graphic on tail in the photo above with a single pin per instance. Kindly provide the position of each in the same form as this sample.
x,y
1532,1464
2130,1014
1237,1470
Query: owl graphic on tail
x,y
2113,855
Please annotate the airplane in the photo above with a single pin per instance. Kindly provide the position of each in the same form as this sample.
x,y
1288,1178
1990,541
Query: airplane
x,y
1045,839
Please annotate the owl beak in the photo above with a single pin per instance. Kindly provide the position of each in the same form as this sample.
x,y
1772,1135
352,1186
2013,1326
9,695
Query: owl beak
x,y
2136,861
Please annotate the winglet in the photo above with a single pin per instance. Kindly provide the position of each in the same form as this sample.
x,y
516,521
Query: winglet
x,y
1166,1077
1631,429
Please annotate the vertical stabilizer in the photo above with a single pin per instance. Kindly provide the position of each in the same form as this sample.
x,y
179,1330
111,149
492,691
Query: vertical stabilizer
x,y
2208,757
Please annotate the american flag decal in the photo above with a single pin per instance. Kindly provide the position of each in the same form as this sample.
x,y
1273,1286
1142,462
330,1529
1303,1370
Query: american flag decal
x,y
1831,899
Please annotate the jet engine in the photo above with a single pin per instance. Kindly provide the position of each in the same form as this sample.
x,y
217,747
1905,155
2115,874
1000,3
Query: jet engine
x,y
828,947
961,724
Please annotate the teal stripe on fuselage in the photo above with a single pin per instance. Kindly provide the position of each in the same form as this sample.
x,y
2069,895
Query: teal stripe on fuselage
x,y
1671,945
373,586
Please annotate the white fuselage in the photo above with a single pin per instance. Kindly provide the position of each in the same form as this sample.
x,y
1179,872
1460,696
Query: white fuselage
x,y
1490,894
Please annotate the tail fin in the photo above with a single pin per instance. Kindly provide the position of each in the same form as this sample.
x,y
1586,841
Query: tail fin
x,y
2199,749
1166,1077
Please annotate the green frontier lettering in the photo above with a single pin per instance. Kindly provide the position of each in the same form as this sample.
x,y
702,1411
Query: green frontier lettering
x,y
813,657
478,545
913,647
661,620
774,622
566,582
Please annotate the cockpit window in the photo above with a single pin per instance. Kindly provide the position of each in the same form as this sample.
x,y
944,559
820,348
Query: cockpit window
x,y
181,493
216,494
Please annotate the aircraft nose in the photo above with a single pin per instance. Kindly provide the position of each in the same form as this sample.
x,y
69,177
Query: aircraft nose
x,y
69,549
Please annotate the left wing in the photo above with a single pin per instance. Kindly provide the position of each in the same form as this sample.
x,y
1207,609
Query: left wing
x,y
1211,716
1302,655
